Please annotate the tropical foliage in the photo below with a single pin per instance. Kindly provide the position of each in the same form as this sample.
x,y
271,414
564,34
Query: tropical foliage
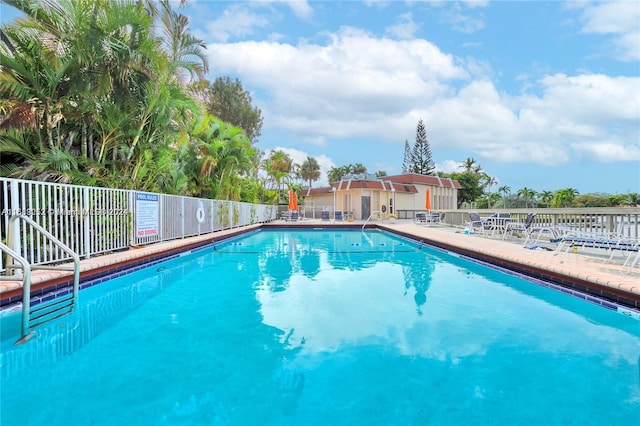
x,y
476,191
336,174
227,99
94,92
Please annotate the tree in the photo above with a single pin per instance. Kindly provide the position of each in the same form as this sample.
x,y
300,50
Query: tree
x,y
545,197
89,95
181,46
489,181
527,194
335,174
504,190
470,187
564,197
310,170
357,169
228,100
631,199
470,165
278,167
421,158
406,161
592,200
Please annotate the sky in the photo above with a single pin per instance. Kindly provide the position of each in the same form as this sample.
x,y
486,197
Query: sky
x,y
542,95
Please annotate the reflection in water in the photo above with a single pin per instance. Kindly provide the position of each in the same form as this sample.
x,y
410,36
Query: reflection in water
x,y
322,327
93,316
360,292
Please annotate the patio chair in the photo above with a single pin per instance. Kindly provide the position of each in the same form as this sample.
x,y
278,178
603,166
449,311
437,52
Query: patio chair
x,y
522,227
325,215
475,222
437,217
294,217
496,223
338,215
420,219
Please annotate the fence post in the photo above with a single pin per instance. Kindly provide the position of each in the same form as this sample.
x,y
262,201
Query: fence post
x,y
132,209
14,205
85,222
183,216
212,214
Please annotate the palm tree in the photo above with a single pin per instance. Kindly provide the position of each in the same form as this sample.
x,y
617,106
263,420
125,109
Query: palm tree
x,y
489,181
564,197
545,197
279,166
504,190
470,165
180,45
310,170
88,95
358,168
527,194
631,199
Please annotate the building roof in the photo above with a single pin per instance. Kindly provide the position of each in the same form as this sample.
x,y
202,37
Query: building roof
x,y
399,183
424,180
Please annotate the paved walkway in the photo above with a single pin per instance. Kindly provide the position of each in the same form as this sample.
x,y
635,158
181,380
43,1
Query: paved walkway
x,y
577,270
592,266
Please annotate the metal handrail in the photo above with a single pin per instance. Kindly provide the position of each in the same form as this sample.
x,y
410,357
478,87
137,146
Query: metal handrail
x,y
24,265
370,216
26,333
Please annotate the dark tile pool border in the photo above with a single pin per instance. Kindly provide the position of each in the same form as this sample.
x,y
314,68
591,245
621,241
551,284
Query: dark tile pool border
x,y
65,287
587,291
602,298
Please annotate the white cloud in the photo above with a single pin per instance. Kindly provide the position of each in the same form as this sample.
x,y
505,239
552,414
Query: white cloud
x,y
448,166
620,19
300,8
609,152
235,21
344,87
404,29
460,20
357,87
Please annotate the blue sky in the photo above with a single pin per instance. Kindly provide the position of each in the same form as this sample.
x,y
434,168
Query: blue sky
x,y
543,95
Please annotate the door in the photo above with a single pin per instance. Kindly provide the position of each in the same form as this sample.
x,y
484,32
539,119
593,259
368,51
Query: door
x,y
365,202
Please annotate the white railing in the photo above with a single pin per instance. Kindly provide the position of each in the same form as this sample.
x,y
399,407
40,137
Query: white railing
x,y
92,220
624,221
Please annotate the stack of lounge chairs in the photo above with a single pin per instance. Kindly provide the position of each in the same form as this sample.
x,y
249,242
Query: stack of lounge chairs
x,y
615,244
428,218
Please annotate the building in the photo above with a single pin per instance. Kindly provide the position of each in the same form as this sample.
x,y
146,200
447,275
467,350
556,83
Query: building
x,y
360,195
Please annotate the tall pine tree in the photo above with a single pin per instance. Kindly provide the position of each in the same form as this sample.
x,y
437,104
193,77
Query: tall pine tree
x,y
406,161
421,158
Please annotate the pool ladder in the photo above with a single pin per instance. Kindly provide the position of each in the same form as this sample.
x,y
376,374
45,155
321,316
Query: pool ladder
x,y
377,212
47,311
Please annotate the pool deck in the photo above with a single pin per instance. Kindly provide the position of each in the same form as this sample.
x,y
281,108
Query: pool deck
x,y
588,272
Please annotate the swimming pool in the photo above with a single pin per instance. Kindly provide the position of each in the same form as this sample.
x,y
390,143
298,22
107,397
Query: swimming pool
x,y
323,327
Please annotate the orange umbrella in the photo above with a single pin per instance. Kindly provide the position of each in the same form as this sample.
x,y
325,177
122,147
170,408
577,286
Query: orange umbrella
x,y
428,199
293,200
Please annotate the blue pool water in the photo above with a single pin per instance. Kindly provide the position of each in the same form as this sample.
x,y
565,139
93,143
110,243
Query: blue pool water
x,y
323,328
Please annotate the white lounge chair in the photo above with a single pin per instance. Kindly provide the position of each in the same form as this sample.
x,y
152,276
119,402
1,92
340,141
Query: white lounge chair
x,y
521,227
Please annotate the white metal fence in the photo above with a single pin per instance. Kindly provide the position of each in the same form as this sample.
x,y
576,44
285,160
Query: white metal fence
x,y
98,220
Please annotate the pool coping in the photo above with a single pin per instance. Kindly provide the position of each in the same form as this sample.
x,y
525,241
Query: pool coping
x,y
574,273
